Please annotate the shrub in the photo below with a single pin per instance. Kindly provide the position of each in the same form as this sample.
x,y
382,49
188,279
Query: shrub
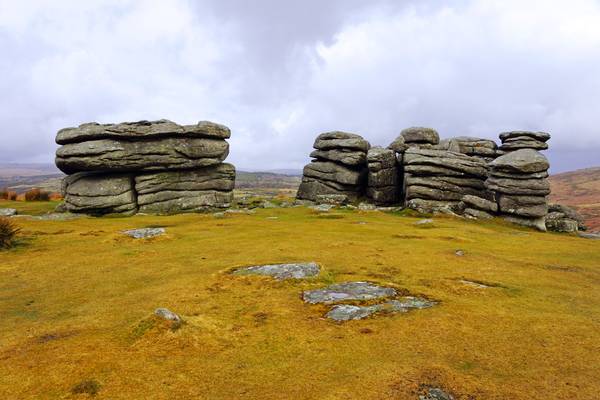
x,y
37,195
6,194
8,233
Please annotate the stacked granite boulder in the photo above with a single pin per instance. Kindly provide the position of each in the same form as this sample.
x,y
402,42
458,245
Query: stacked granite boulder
x,y
562,218
151,167
519,181
485,149
382,182
518,140
437,180
339,168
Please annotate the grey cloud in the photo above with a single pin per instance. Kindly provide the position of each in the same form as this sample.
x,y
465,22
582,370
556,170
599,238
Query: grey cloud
x,y
278,73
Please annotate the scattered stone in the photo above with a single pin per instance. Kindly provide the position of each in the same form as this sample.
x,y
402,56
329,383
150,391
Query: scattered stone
x,y
334,199
7,212
167,314
436,394
145,233
268,204
348,291
57,217
593,236
282,271
459,253
344,312
272,218
367,207
322,207
424,222
474,284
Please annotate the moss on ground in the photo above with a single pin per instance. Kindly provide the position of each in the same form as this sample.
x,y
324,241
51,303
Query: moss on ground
x,y
534,335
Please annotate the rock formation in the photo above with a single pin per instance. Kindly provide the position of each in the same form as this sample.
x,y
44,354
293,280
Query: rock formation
x,y
463,175
382,181
519,180
339,167
151,167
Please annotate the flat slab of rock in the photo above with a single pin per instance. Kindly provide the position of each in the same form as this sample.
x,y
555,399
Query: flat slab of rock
x,y
7,212
344,312
593,236
148,155
141,130
540,136
420,135
99,194
167,314
436,394
145,233
341,140
347,291
282,271
525,161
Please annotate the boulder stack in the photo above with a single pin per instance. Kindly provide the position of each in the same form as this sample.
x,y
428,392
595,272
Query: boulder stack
x,y
339,167
518,140
382,186
485,149
153,167
437,180
519,180
562,218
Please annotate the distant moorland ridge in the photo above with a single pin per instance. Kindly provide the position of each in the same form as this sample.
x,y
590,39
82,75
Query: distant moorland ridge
x,y
581,190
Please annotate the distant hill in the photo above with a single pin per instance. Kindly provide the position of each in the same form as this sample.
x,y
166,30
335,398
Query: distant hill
x,y
581,190
270,180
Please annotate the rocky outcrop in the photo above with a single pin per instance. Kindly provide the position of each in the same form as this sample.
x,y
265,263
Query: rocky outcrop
x,y
150,167
339,167
518,140
518,181
562,218
382,180
437,180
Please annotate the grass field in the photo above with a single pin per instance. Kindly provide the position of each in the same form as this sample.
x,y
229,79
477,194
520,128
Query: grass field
x,y
77,297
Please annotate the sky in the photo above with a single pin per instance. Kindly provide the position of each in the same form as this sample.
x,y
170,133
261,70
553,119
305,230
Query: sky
x,y
279,72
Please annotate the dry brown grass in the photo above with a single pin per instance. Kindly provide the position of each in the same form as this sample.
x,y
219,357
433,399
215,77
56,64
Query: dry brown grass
x,y
91,297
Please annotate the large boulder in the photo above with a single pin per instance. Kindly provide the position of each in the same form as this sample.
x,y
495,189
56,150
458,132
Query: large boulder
x,y
341,140
330,171
141,130
313,189
344,156
99,194
186,191
147,155
420,135
525,161
539,136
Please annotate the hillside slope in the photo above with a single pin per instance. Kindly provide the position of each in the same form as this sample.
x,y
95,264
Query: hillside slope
x,y
78,297
581,190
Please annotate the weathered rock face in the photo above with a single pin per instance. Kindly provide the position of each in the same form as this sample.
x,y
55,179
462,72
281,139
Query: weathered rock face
x,y
420,135
517,140
382,181
437,180
99,194
562,218
518,181
339,168
483,148
197,190
143,155
151,167
141,130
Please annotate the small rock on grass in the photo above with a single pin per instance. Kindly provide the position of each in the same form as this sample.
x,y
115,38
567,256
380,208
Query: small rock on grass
x,y
167,314
459,253
282,271
424,222
7,212
322,207
595,236
347,291
344,312
145,233
436,394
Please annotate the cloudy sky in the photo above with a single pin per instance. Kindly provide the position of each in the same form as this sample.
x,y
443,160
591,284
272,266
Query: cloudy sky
x,y
280,72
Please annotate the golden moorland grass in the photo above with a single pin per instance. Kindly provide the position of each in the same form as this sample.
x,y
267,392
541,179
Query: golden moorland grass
x,y
77,297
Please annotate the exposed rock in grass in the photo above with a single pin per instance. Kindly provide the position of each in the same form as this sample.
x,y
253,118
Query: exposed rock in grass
x,y
424,222
145,233
436,394
322,207
282,271
344,312
167,314
347,291
477,285
335,199
595,236
7,212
